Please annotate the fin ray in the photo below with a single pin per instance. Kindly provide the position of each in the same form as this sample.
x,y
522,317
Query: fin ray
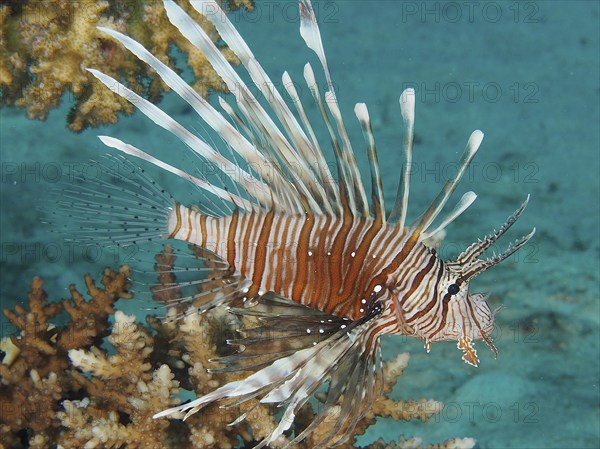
x,y
179,285
253,109
128,209
237,174
423,223
407,110
345,354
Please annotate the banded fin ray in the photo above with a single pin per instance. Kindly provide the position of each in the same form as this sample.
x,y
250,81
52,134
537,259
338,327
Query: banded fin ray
x,y
309,190
465,201
362,114
260,120
215,190
121,206
422,224
202,107
249,182
309,30
407,111
345,352
323,169
185,279
212,11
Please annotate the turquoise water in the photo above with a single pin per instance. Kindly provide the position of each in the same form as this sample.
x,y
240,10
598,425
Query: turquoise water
x,y
526,73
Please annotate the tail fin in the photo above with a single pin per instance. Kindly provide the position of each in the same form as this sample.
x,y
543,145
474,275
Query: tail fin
x,y
115,203
109,203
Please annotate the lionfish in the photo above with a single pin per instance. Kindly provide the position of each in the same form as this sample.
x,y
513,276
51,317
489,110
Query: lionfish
x,y
321,265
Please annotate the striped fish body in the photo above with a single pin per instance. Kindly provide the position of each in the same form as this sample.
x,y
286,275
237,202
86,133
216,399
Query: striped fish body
x,y
330,263
317,261
338,265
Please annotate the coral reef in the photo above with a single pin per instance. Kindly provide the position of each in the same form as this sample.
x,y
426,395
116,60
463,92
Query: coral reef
x,y
86,383
35,374
45,46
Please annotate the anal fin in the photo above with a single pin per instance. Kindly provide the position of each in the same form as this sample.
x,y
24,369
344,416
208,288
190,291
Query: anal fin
x,y
190,277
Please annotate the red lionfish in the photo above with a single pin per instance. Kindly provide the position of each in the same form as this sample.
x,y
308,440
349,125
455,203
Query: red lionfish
x,y
316,260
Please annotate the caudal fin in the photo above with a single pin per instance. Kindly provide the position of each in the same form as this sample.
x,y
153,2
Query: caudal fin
x,y
110,203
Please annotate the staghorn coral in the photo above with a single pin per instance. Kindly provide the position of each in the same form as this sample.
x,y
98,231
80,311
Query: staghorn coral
x,y
89,384
46,45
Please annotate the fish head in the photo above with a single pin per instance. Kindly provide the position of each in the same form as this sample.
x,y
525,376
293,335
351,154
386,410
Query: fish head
x,y
462,315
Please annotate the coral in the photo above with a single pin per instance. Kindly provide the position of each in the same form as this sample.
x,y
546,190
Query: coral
x,y
122,384
45,46
416,443
37,374
86,383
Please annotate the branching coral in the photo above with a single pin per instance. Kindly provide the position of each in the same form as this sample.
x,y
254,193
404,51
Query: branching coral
x,y
417,443
46,45
72,385
33,382
122,394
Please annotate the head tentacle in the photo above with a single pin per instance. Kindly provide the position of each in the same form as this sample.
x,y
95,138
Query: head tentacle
x,y
468,265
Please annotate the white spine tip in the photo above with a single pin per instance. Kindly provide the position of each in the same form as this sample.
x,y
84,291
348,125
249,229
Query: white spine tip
x,y
361,112
477,136
474,141
407,95
407,104
469,197
288,84
114,33
309,75
110,141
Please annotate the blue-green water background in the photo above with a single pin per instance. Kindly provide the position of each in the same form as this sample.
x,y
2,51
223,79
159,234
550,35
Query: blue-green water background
x,y
527,74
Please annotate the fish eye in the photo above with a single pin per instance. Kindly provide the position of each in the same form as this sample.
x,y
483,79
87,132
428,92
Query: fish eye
x,y
453,289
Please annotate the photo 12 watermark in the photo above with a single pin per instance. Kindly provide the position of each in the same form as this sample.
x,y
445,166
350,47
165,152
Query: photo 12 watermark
x,y
471,11
527,92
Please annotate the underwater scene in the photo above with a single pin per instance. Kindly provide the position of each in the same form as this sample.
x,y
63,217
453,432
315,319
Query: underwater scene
x,y
97,339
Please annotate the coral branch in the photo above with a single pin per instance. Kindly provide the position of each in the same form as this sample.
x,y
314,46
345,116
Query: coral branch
x,y
37,375
45,46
